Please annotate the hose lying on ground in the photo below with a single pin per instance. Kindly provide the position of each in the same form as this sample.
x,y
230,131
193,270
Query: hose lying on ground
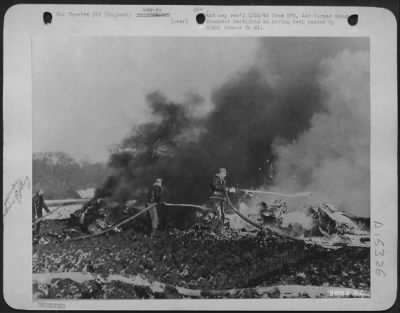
x,y
178,205
241,215
141,212
274,229
183,205
116,225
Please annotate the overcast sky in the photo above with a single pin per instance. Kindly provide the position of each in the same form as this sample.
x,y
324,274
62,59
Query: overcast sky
x,y
89,92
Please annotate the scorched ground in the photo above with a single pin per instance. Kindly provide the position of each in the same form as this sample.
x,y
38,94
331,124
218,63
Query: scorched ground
x,y
192,263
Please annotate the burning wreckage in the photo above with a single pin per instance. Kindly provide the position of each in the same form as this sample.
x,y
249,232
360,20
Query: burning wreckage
x,y
104,250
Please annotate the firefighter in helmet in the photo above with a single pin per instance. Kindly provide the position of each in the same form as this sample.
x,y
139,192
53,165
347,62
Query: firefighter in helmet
x,y
218,196
156,195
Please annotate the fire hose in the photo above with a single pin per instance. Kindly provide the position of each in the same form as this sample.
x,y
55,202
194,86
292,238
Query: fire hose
x,y
274,229
241,215
189,205
136,215
168,204
116,225
48,214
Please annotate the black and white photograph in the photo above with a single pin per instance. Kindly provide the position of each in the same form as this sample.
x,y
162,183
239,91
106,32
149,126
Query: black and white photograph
x,y
201,167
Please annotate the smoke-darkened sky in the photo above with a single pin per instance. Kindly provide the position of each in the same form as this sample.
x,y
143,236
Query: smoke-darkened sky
x,y
88,92
284,113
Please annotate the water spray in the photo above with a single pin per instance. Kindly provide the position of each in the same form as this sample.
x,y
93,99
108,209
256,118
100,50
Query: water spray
x,y
293,195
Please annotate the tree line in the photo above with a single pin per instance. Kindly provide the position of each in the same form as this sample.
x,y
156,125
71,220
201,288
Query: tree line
x,y
60,176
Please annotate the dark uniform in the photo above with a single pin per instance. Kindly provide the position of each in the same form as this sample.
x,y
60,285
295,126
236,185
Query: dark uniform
x,y
155,196
38,205
217,197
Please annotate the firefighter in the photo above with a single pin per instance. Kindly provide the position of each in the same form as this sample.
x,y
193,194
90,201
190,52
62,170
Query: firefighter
x,y
218,196
155,196
38,205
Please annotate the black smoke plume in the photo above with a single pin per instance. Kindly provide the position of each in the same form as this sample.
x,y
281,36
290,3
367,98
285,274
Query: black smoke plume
x,y
276,98
187,151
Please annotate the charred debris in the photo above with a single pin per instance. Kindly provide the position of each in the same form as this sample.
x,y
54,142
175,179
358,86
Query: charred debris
x,y
241,262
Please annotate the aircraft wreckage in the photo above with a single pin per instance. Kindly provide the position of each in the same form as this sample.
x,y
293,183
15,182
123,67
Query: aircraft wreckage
x,y
102,249
321,224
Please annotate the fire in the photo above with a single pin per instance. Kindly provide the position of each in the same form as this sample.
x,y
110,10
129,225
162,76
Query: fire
x,y
297,217
235,222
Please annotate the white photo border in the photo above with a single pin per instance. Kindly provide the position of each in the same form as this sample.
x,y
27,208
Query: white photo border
x,y
24,22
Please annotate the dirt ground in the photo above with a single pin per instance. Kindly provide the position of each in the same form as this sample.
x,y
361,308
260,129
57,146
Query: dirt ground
x,y
194,258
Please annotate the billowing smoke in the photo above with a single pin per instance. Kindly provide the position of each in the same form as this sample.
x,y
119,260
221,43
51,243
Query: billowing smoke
x,y
297,217
236,222
187,150
332,158
281,96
